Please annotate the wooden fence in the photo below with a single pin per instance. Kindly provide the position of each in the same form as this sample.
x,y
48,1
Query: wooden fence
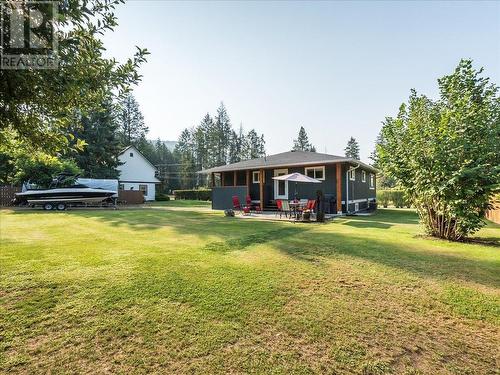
x,y
7,194
130,197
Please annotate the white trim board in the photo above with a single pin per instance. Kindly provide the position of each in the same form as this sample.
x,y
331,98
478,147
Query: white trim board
x,y
359,200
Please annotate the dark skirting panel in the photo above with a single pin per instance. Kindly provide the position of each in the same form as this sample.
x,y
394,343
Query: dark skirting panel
x,y
222,197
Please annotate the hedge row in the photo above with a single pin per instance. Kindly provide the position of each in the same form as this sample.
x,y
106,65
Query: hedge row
x,y
393,196
198,195
162,197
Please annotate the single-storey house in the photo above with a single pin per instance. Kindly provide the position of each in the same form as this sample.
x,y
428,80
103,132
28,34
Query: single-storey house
x,y
347,185
137,173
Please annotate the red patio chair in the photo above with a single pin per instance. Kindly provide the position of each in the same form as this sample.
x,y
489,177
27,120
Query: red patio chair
x,y
237,205
311,204
255,207
279,204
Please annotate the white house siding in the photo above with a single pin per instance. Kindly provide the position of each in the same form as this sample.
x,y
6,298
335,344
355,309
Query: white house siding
x,y
137,170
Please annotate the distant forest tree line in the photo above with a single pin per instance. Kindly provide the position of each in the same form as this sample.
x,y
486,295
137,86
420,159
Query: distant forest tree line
x,y
97,138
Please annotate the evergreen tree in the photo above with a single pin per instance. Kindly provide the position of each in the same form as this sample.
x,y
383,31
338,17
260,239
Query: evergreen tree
x,y
352,149
238,148
185,154
147,148
203,142
222,135
256,145
132,126
242,149
99,158
302,142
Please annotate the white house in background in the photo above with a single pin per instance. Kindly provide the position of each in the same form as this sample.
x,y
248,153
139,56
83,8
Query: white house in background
x,y
137,173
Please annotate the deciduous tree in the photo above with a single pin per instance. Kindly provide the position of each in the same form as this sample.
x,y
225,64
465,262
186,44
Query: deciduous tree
x,y
445,153
37,107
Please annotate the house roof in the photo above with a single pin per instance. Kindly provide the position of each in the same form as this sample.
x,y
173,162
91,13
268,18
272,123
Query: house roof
x,y
142,155
287,159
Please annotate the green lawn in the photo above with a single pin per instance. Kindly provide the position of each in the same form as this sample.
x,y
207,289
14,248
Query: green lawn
x,y
181,289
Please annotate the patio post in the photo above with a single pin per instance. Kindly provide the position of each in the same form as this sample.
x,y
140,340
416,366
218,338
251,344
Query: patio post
x,y
248,181
235,178
261,189
222,178
339,187
213,179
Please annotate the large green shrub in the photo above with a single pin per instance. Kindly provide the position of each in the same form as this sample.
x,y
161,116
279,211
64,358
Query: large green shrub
x,y
40,168
397,198
383,197
194,194
392,196
445,154
160,197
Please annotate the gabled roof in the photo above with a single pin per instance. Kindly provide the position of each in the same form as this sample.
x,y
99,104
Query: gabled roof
x,y
140,153
287,159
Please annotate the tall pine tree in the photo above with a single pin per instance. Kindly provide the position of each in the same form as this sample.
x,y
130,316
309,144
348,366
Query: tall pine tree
x,y
256,145
352,149
99,158
185,153
132,127
222,135
302,142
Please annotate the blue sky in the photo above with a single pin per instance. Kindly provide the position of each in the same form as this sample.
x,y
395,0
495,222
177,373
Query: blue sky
x,y
336,68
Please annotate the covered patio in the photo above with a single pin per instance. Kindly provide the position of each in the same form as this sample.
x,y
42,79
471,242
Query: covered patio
x,y
344,184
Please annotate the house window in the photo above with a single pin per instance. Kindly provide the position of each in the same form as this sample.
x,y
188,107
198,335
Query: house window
x,y
121,187
131,154
352,174
144,189
372,181
316,172
255,177
363,176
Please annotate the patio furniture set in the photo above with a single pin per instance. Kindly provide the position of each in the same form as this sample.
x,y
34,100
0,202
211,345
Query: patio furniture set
x,y
295,210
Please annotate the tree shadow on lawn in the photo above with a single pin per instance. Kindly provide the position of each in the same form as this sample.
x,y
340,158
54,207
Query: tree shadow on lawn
x,y
424,263
234,234
391,216
366,224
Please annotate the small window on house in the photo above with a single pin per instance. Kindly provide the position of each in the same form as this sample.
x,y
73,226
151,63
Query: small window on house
x,y
255,177
121,187
131,154
363,176
372,181
352,174
316,172
144,189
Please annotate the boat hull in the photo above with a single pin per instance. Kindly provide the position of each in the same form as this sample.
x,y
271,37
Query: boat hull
x,y
65,195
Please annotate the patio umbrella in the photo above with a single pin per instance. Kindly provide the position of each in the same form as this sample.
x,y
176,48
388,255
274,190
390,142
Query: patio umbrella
x,y
297,177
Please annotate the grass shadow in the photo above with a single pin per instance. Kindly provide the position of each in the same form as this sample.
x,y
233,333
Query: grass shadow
x,y
366,224
417,260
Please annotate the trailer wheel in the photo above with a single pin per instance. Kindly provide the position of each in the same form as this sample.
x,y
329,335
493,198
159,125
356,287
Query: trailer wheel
x,y
61,206
48,206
